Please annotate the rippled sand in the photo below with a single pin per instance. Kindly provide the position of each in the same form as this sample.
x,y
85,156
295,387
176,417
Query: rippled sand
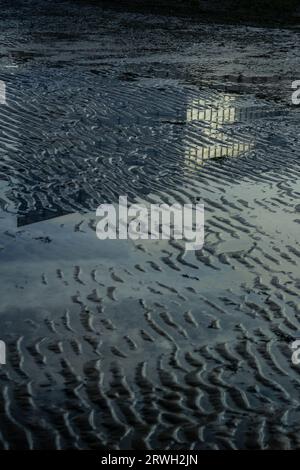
x,y
127,345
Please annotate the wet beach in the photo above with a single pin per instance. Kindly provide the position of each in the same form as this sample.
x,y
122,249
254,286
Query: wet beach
x,y
140,345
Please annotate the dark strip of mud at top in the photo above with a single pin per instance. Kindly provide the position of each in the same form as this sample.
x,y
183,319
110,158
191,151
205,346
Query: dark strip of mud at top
x,y
227,11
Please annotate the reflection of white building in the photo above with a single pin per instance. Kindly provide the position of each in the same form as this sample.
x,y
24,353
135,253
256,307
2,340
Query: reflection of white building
x,y
208,119
2,92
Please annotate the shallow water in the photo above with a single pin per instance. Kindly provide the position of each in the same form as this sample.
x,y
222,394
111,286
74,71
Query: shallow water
x,y
123,344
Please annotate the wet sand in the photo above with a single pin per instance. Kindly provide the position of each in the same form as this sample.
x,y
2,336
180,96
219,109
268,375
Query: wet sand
x,y
127,345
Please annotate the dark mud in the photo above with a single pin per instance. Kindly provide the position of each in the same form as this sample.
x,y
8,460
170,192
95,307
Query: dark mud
x,y
140,345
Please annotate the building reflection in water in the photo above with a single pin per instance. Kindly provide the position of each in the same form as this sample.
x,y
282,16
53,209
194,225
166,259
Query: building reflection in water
x,y
208,119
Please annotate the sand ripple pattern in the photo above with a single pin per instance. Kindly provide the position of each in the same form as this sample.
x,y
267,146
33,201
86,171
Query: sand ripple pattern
x,y
128,345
